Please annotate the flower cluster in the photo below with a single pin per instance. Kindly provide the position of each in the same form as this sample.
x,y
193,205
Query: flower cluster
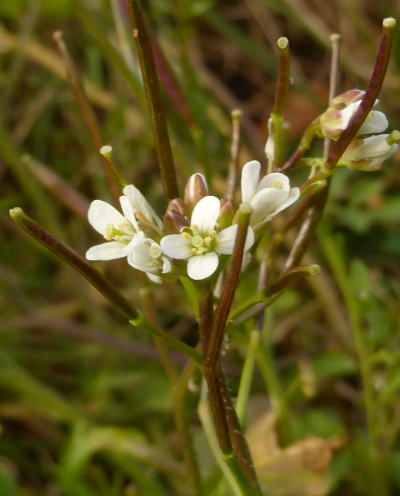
x,y
365,152
166,249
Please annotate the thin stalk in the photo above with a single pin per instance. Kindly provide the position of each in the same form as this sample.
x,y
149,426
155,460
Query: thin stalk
x,y
57,186
235,149
154,100
247,377
228,291
151,315
228,463
112,174
77,262
281,93
305,143
333,78
374,87
182,422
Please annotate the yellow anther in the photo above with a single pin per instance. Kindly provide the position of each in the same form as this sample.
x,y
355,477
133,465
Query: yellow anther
x,y
208,240
194,229
186,236
277,185
213,233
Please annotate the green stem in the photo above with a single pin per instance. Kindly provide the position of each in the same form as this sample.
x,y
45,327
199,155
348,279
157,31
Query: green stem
x,y
281,92
246,378
77,262
182,422
154,100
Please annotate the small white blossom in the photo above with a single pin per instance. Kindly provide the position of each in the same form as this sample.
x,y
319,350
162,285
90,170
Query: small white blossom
x,y
119,230
267,196
201,243
147,257
270,144
337,117
368,154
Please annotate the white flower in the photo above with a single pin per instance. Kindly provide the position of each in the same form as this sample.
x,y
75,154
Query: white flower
x,y
119,230
147,257
267,196
201,243
376,122
368,154
337,117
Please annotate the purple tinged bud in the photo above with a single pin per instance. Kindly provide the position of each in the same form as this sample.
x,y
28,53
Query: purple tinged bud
x,y
344,99
226,213
178,205
174,222
196,188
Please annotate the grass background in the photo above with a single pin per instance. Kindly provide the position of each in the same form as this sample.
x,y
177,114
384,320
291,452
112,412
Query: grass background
x,y
85,407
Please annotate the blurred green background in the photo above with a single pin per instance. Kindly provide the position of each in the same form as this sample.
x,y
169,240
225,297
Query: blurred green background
x,y
85,407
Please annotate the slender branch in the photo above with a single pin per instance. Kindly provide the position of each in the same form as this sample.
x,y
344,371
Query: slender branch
x,y
68,255
281,92
235,149
154,100
87,113
151,315
182,422
228,291
333,78
305,143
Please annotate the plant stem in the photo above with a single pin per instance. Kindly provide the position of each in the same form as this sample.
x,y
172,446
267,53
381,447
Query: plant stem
x,y
154,100
247,377
281,92
181,419
113,176
77,262
235,149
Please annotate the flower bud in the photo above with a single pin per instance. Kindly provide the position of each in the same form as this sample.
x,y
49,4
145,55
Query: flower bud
x,y
196,188
226,213
368,154
146,226
338,115
344,99
178,205
174,222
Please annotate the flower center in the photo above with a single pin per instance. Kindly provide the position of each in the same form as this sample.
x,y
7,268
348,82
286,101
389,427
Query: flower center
x,y
122,233
277,185
201,243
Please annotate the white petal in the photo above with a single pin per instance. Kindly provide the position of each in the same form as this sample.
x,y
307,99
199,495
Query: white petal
x,y
128,211
101,214
249,239
376,122
250,178
347,114
265,203
205,214
293,196
202,266
140,203
226,240
167,265
140,258
107,251
274,179
175,246
154,278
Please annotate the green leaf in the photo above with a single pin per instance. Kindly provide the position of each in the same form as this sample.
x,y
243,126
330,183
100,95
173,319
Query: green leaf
x,y
330,365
